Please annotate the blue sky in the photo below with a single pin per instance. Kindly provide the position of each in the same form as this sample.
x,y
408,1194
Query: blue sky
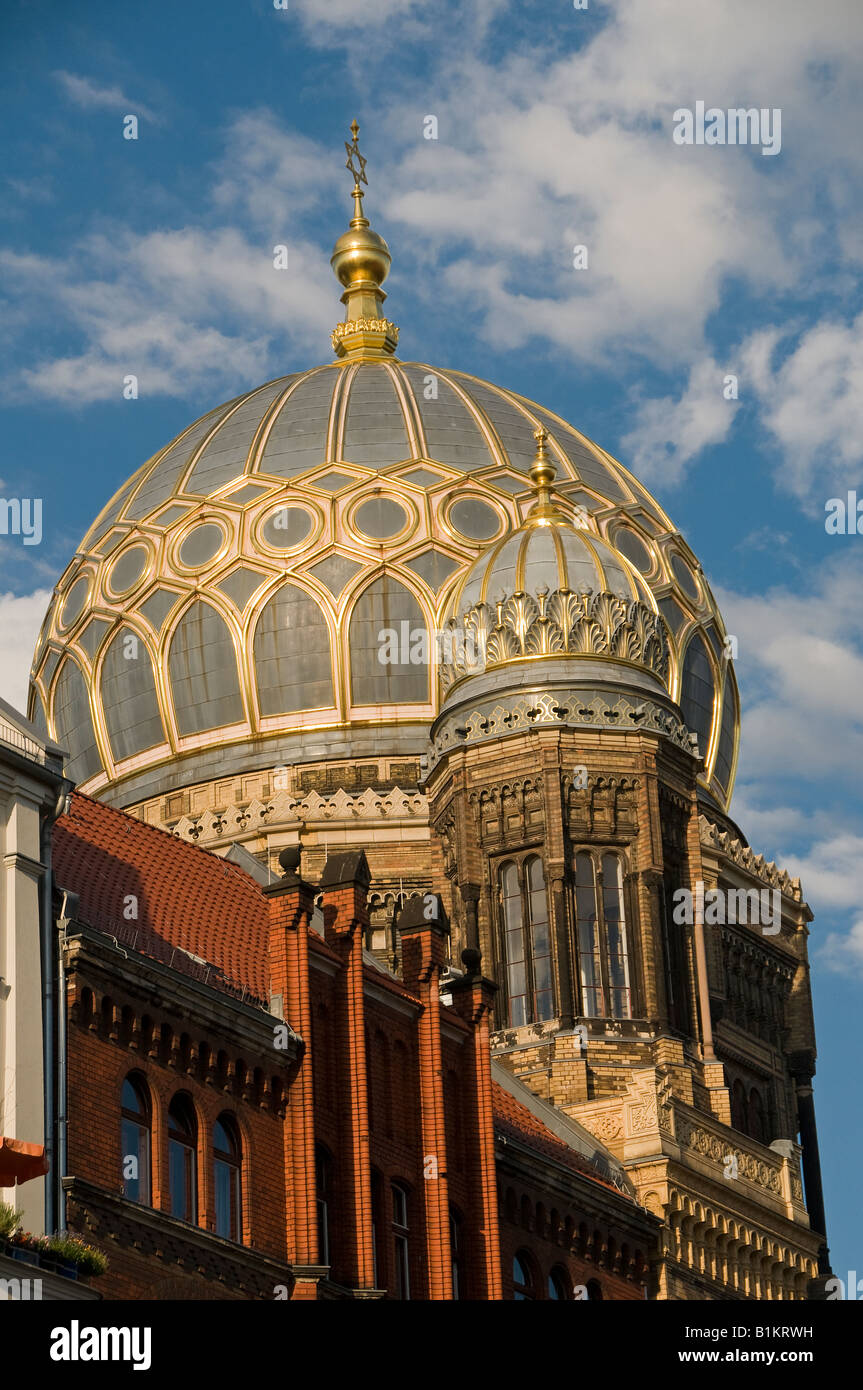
x,y
154,257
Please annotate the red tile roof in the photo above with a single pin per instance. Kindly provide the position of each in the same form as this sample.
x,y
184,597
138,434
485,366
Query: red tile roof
x,y
514,1119
188,900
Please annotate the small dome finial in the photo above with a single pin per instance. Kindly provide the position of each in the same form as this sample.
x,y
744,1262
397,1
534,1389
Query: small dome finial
x,y
542,475
361,260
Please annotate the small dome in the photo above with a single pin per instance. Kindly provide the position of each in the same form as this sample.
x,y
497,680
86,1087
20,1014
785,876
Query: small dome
x,y
553,589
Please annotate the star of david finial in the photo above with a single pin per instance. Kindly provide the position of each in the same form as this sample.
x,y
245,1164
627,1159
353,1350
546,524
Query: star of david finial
x,y
358,168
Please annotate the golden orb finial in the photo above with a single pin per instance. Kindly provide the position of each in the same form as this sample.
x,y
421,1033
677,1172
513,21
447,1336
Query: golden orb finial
x,y
361,260
542,475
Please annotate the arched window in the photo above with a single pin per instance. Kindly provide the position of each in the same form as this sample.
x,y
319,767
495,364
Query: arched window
x,y
456,1244
226,1173
292,654
202,664
697,692
540,940
603,953
523,1286
617,955
129,696
589,954
135,1137
523,900
516,966
323,1190
389,646
74,724
182,1159
401,1241
559,1285
594,1291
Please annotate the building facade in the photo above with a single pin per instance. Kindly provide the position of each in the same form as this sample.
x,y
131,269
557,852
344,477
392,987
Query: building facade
x,y
379,606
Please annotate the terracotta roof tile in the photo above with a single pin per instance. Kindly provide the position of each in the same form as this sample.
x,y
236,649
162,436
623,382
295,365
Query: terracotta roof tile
x,y
513,1118
188,900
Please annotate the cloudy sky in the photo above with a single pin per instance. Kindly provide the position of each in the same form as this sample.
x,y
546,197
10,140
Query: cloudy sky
x,y
555,129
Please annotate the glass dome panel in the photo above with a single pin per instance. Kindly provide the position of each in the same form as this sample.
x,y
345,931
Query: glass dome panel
x,y
292,654
202,666
387,607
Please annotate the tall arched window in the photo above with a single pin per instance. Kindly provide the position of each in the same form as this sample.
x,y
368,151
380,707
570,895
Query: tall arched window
x,y
389,646
524,901
323,1187
516,966
603,953
589,954
523,1285
135,1138
292,654
540,940
617,955
401,1241
183,1159
226,1174
202,665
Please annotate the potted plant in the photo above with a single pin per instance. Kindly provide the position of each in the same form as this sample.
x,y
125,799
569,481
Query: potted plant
x,y
75,1258
10,1222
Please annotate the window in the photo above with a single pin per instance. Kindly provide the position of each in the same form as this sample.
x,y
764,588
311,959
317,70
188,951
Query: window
x,y
401,1242
226,1166
527,953
559,1285
615,932
522,1278
135,1131
738,1106
594,1291
182,1159
757,1127
323,1187
603,954
455,1246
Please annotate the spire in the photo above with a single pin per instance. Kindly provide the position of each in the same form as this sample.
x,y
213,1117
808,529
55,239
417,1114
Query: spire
x,y
542,475
361,260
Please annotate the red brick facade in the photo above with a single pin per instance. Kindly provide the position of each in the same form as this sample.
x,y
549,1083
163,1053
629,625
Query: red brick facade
x,y
378,1155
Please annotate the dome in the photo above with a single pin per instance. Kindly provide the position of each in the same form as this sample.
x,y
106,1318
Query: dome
x,y
551,591
225,610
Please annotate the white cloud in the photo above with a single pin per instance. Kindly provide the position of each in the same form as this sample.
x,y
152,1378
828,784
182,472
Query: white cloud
x,y
800,667
91,97
668,434
812,404
21,618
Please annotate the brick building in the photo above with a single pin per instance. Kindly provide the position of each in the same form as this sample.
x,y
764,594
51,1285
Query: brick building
x,y
258,1109
380,608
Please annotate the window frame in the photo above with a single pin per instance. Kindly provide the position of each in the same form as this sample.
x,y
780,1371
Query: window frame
x,y
400,1232
189,1146
142,1121
601,920
521,862
233,1162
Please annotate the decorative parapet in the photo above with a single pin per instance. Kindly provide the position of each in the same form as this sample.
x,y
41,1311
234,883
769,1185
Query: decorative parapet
x,y
763,869
282,808
561,623
494,718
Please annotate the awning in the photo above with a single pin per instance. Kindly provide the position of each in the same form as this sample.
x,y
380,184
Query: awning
x,y
19,1162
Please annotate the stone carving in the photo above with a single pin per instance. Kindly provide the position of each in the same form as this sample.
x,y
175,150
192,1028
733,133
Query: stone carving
x,y
756,864
560,623
368,805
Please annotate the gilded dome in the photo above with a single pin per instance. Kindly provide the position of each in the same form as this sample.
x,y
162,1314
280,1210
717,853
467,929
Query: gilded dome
x,y
226,611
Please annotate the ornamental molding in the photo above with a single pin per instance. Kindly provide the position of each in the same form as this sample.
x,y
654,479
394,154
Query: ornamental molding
x,y
517,714
560,623
763,869
237,820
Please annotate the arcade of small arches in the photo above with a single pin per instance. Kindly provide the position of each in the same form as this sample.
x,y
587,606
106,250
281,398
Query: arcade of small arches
x,y
745,1260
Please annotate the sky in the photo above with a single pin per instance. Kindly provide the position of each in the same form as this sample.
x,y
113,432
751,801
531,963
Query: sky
x,y
555,128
